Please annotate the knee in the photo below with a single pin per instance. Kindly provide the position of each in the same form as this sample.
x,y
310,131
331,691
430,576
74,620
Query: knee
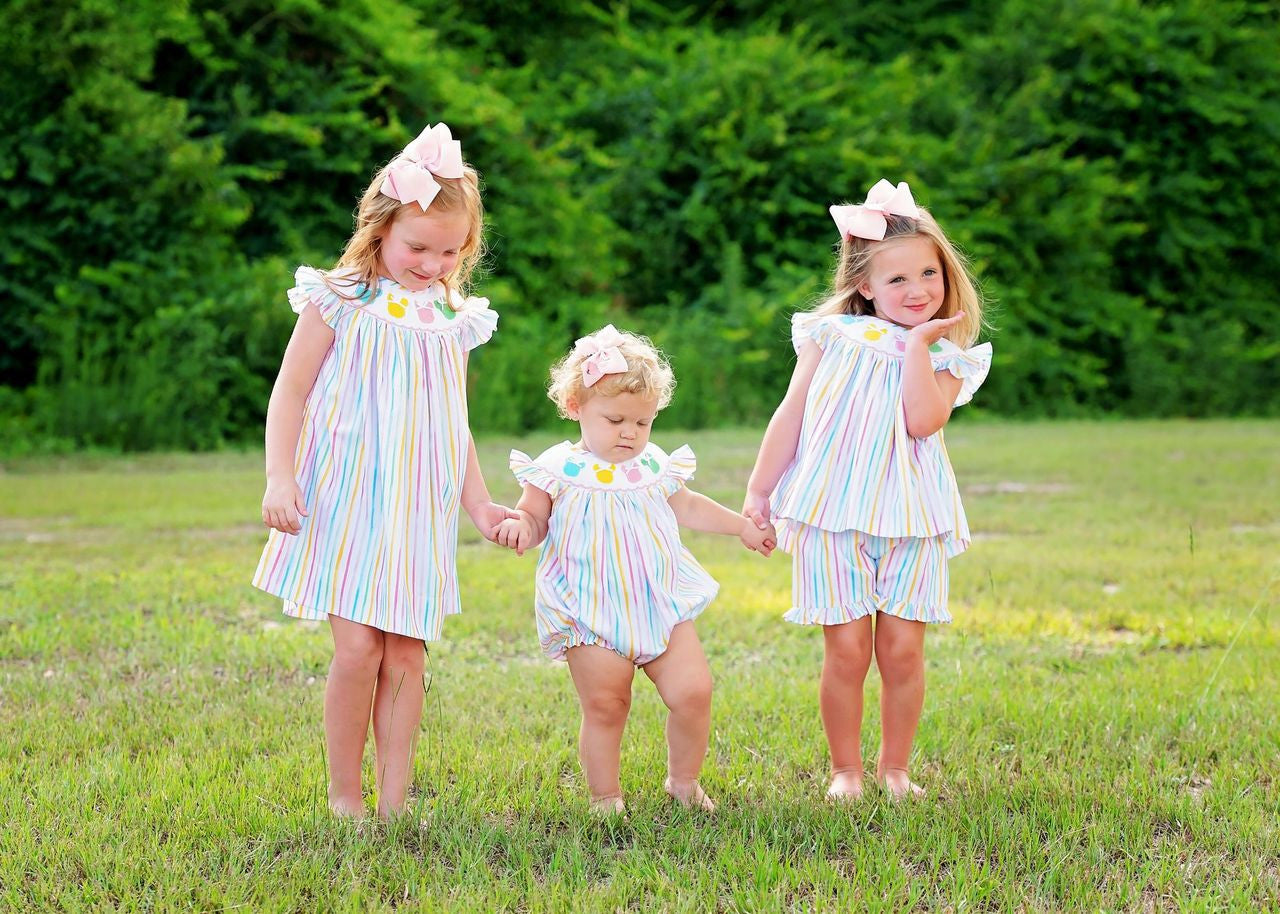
x,y
404,654
849,657
692,696
359,650
899,659
606,709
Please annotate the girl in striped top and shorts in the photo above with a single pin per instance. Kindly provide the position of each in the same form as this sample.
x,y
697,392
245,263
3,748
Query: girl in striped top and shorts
x,y
369,456
854,466
616,589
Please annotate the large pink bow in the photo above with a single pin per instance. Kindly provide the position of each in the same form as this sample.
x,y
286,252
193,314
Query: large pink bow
x,y
602,354
867,220
410,177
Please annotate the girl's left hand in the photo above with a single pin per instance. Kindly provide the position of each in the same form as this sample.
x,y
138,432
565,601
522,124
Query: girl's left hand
x,y
757,540
930,332
488,517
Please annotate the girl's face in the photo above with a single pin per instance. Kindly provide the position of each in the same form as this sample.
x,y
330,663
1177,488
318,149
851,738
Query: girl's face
x,y
419,248
614,428
905,282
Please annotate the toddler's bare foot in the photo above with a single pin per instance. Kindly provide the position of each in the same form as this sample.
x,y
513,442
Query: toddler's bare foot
x,y
689,794
608,806
846,784
346,807
899,784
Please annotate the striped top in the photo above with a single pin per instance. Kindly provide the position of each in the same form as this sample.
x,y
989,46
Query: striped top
x,y
612,560
380,458
856,468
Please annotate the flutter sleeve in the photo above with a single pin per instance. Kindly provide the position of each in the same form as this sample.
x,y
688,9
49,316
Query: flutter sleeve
x,y
969,365
529,472
310,287
681,465
807,326
476,320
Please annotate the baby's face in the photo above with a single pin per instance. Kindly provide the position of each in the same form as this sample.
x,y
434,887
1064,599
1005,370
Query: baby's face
x,y
615,428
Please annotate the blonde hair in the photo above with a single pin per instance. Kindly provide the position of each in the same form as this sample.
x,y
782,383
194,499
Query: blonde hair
x,y
853,268
648,375
376,212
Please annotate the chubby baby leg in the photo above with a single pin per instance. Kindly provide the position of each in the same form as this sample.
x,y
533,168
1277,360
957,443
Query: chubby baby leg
x,y
603,681
683,679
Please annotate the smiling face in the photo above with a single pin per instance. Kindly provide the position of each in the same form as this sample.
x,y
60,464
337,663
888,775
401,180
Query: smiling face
x,y
615,428
419,248
906,282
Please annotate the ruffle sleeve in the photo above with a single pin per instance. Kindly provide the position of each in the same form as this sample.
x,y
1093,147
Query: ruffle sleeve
x,y
969,365
476,320
681,465
528,472
312,286
806,326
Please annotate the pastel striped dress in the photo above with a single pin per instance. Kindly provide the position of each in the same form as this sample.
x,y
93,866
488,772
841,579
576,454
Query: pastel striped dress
x,y
613,571
856,468
380,458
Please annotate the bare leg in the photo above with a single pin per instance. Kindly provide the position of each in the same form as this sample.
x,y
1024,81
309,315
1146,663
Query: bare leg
x,y
900,657
357,652
683,680
845,663
603,680
397,712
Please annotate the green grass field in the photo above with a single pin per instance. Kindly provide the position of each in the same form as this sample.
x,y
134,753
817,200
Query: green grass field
x,y
1101,729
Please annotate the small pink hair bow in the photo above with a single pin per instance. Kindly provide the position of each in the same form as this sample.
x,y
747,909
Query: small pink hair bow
x,y
867,220
411,175
602,354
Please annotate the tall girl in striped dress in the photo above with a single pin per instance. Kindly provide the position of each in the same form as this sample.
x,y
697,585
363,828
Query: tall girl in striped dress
x,y
854,469
616,589
369,455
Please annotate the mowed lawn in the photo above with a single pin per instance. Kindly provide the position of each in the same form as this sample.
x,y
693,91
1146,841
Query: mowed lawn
x,y
1100,731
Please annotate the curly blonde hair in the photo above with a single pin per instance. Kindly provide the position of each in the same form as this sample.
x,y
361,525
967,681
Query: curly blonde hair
x,y
853,268
362,256
648,375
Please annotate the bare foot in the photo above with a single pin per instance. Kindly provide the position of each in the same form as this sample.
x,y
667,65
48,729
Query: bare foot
x,y
899,784
346,808
608,806
689,794
846,784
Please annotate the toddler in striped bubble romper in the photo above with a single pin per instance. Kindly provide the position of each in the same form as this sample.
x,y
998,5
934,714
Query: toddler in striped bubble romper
x,y
616,589
858,474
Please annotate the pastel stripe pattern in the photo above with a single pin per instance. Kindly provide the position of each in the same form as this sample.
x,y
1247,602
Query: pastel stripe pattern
x,y
839,577
380,459
612,570
856,468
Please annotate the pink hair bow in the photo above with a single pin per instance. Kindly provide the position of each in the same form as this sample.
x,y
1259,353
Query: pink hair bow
x,y
867,220
411,176
602,354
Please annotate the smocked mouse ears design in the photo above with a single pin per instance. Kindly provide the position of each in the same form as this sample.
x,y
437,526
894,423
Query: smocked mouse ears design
x,y
867,219
411,176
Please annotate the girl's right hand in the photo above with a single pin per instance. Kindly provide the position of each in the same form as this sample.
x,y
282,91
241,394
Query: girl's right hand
x,y
515,533
282,504
756,507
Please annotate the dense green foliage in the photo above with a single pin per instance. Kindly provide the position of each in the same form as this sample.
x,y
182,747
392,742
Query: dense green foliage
x,y
1109,165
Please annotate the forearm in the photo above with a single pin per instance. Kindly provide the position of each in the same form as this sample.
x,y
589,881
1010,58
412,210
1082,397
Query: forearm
x,y
778,448
474,491
698,512
924,404
284,425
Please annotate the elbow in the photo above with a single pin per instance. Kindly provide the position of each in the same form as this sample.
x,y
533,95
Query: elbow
x,y
924,426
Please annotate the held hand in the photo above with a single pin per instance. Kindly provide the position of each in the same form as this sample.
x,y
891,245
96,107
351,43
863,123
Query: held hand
x,y
515,534
282,504
756,508
757,539
930,332
488,516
